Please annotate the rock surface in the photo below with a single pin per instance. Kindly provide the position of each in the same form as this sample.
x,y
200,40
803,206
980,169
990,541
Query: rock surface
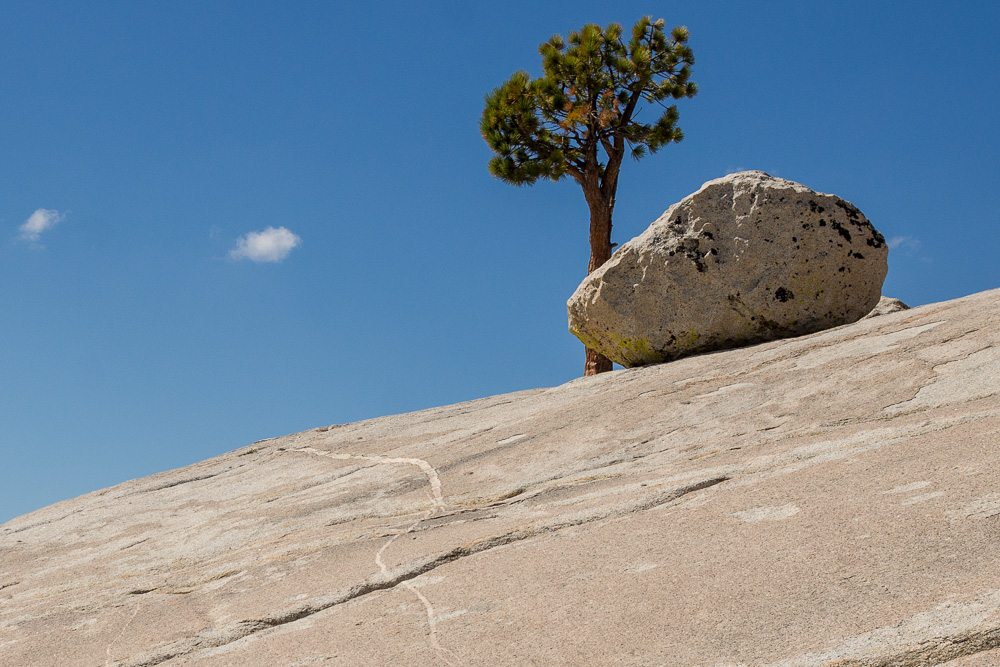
x,y
833,499
747,258
887,305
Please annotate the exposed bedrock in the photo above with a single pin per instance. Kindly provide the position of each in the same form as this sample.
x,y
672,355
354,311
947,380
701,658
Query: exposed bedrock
x,y
832,499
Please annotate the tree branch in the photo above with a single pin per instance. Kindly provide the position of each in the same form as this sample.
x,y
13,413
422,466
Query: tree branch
x,y
577,174
608,148
633,100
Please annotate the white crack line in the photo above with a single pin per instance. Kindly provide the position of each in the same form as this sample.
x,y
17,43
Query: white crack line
x,y
216,637
432,624
428,469
449,656
107,651
431,615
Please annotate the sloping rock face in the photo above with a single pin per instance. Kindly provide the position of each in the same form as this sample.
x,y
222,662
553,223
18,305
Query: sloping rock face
x,y
747,258
832,499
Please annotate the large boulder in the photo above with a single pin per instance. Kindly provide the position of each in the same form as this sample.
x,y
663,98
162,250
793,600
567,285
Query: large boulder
x,y
747,258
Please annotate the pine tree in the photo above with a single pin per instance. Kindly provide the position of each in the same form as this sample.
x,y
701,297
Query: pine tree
x,y
581,115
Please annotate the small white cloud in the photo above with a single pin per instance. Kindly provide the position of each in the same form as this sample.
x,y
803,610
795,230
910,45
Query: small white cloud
x,y
271,245
907,243
39,221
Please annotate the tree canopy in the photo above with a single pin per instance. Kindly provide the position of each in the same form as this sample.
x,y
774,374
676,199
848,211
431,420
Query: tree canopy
x,y
582,113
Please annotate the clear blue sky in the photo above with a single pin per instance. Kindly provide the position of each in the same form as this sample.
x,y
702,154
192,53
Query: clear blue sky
x,y
138,335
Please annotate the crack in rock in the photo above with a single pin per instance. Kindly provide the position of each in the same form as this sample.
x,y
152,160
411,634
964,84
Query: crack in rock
x,y
385,580
170,485
449,656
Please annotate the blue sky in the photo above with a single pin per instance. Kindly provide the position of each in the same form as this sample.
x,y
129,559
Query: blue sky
x,y
146,143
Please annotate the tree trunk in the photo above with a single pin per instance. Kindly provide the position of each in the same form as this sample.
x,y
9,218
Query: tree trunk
x,y
596,363
600,252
